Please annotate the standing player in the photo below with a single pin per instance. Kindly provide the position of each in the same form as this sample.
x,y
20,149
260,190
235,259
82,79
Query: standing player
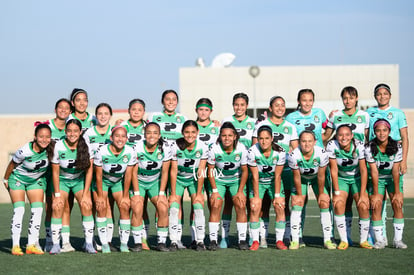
x,y
79,100
285,135
208,130
349,179
384,156
266,160
113,171
25,176
309,163
189,158
399,132
244,126
72,171
150,177
136,123
227,171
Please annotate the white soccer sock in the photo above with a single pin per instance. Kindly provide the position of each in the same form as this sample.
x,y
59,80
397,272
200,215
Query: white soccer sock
x,y
295,224
124,230
109,229
137,233
225,228
16,223
255,230
145,233
65,233
280,228
341,227
363,230
56,227
88,228
241,230
162,233
199,221
378,228
213,228
179,230
173,221
326,224
398,229
35,220
101,226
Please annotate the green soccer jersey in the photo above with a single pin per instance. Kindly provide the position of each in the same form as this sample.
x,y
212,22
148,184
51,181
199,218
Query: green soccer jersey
x,y
95,139
87,123
394,116
57,134
348,162
170,125
358,121
308,168
30,165
245,129
208,134
134,134
383,162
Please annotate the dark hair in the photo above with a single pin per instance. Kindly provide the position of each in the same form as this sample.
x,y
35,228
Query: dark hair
x,y
160,141
304,91
228,125
73,95
273,98
82,155
62,100
381,86
307,132
353,139
204,100
351,91
136,100
241,95
103,105
392,145
49,149
181,143
167,92
265,128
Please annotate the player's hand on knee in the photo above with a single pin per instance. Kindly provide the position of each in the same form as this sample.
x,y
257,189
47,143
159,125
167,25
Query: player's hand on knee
x,y
279,203
397,200
216,200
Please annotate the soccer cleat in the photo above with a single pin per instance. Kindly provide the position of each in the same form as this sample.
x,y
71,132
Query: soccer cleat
x,y
400,245
224,243
281,245
379,245
301,243
180,245
213,246
55,249
96,246
48,246
67,247
263,243
243,245
89,248
162,247
33,249
124,248
255,246
173,247
365,245
112,248
286,241
145,245
329,245
136,248
106,249
343,246
294,245
200,246
193,245
17,251
370,240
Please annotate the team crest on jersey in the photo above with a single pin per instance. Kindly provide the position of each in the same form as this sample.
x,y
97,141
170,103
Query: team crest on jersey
x,y
390,116
316,119
125,159
286,130
392,157
159,156
237,157
359,119
178,119
274,160
213,131
249,126
198,154
315,163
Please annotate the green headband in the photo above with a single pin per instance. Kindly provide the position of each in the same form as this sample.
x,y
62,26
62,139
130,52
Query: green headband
x,y
204,105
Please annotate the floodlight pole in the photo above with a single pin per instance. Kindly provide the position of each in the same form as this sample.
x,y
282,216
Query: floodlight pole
x,y
254,72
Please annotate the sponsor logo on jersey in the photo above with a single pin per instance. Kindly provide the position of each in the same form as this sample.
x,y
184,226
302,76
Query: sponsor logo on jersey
x,y
219,158
158,119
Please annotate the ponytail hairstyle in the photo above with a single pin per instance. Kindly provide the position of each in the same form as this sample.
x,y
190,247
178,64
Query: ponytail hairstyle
x,y
241,95
83,161
351,91
354,155
103,105
73,95
392,145
160,140
50,148
304,91
228,125
181,143
276,147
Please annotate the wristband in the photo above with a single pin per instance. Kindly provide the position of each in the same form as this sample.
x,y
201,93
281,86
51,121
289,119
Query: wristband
x,y
337,193
57,195
136,193
5,181
161,193
277,195
215,190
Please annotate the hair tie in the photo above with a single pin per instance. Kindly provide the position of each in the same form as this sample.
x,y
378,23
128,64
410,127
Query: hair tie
x,y
37,123
204,105
382,122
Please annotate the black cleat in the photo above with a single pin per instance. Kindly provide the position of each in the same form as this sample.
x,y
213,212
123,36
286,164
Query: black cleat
x,y
173,247
136,248
243,245
200,247
213,246
112,248
193,245
162,247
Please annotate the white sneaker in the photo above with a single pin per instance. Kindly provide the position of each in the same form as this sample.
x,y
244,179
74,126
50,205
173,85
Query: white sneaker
x,y
379,245
180,245
263,243
67,247
400,245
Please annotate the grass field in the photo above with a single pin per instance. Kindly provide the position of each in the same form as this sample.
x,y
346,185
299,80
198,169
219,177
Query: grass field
x,y
312,259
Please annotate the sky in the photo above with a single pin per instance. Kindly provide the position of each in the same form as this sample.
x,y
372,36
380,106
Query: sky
x,y
119,50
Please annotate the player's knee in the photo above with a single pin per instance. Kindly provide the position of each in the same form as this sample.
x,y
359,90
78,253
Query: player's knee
x,y
324,204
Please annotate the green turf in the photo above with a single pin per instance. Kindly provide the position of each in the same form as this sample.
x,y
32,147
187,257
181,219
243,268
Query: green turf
x,y
312,259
